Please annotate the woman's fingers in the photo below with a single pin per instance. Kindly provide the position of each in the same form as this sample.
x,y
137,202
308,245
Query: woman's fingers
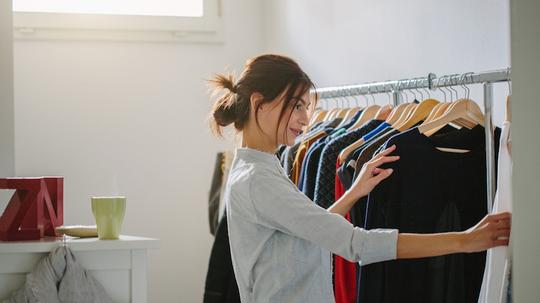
x,y
501,233
377,170
378,162
385,152
500,243
504,223
500,216
385,173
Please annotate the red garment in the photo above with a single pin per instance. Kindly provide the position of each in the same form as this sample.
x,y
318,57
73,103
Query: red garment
x,y
344,271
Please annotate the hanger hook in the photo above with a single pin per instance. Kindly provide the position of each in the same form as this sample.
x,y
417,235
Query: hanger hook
x,y
343,99
426,90
471,81
457,78
357,98
445,86
387,91
349,102
452,98
462,85
451,88
398,91
440,84
413,87
402,91
416,80
368,93
407,89
372,96
454,83
447,83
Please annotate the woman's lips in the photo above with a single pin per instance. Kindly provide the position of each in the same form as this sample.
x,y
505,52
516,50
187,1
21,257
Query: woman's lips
x,y
296,132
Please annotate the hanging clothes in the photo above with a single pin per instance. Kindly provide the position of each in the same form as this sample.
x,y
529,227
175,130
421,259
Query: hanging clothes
x,y
220,285
308,175
214,196
300,155
287,157
498,262
324,194
344,270
60,278
429,191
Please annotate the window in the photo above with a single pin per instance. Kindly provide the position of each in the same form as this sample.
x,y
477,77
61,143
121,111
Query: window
x,y
180,20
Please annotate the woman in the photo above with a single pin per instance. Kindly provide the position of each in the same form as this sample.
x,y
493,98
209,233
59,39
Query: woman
x,y
280,240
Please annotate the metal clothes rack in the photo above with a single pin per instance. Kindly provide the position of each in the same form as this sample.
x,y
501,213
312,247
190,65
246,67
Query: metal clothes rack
x,y
431,81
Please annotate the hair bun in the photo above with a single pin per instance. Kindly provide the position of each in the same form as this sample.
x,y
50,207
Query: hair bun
x,y
226,82
225,113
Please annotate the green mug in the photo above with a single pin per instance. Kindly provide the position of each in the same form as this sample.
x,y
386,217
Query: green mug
x,y
109,214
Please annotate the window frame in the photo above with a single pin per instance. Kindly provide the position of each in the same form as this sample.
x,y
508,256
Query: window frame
x,y
72,26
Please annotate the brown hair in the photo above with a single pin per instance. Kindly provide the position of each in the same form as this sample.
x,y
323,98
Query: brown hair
x,y
269,75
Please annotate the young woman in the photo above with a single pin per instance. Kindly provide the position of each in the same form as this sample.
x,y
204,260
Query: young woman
x,y
280,240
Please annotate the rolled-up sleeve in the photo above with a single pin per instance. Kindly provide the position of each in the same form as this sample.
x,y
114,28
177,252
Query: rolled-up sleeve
x,y
278,204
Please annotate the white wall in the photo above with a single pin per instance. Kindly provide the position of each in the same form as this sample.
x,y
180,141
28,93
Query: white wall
x,y
130,118
6,91
7,149
350,41
525,149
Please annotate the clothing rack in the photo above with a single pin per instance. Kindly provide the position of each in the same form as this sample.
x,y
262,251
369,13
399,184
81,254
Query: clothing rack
x,y
431,81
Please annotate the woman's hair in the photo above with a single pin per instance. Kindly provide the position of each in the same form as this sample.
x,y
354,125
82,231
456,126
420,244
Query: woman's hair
x,y
269,75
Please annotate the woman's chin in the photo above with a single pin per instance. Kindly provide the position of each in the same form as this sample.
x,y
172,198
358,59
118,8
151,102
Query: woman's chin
x,y
288,142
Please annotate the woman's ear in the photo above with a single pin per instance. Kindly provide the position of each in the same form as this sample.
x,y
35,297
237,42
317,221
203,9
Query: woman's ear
x,y
254,100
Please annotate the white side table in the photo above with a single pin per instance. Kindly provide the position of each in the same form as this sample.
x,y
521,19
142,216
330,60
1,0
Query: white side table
x,y
119,265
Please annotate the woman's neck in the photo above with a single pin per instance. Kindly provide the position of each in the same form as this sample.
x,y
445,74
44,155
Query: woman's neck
x,y
256,139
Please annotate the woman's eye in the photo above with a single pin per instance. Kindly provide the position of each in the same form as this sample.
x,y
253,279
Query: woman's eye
x,y
298,106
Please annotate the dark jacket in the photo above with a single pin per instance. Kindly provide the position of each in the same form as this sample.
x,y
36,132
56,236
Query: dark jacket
x,y
220,286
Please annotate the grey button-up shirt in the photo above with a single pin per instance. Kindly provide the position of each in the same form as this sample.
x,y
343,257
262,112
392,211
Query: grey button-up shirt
x,y
281,241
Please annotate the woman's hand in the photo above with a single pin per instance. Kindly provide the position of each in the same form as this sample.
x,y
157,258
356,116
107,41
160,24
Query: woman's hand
x,y
493,230
371,174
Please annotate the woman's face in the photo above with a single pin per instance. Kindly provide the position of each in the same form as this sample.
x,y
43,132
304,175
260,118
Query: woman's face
x,y
288,129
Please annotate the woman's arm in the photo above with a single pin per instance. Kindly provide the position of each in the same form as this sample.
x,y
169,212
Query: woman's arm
x,y
493,230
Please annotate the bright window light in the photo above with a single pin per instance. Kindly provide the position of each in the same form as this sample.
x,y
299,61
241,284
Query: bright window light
x,y
176,8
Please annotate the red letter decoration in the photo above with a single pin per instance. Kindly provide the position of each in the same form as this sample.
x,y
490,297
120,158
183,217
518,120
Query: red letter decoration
x,y
35,209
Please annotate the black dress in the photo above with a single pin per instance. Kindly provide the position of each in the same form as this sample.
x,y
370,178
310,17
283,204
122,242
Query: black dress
x,y
430,191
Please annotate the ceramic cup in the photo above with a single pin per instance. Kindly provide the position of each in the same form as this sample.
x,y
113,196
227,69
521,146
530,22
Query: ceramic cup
x,y
109,214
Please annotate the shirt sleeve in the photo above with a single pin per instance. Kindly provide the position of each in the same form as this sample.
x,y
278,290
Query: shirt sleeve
x,y
280,205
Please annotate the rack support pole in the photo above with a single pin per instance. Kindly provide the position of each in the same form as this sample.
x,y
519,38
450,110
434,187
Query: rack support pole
x,y
490,153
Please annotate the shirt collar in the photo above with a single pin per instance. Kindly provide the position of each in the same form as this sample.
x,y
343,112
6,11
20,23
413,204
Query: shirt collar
x,y
257,156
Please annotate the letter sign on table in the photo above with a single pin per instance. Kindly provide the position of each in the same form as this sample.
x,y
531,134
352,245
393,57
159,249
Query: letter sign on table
x,y
35,209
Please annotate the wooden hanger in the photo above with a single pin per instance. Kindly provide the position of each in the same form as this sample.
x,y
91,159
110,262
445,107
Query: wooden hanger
x,y
317,117
464,122
420,112
436,111
396,113
383,112
341,113
350,113
404,115
368,114
465,109
330,115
